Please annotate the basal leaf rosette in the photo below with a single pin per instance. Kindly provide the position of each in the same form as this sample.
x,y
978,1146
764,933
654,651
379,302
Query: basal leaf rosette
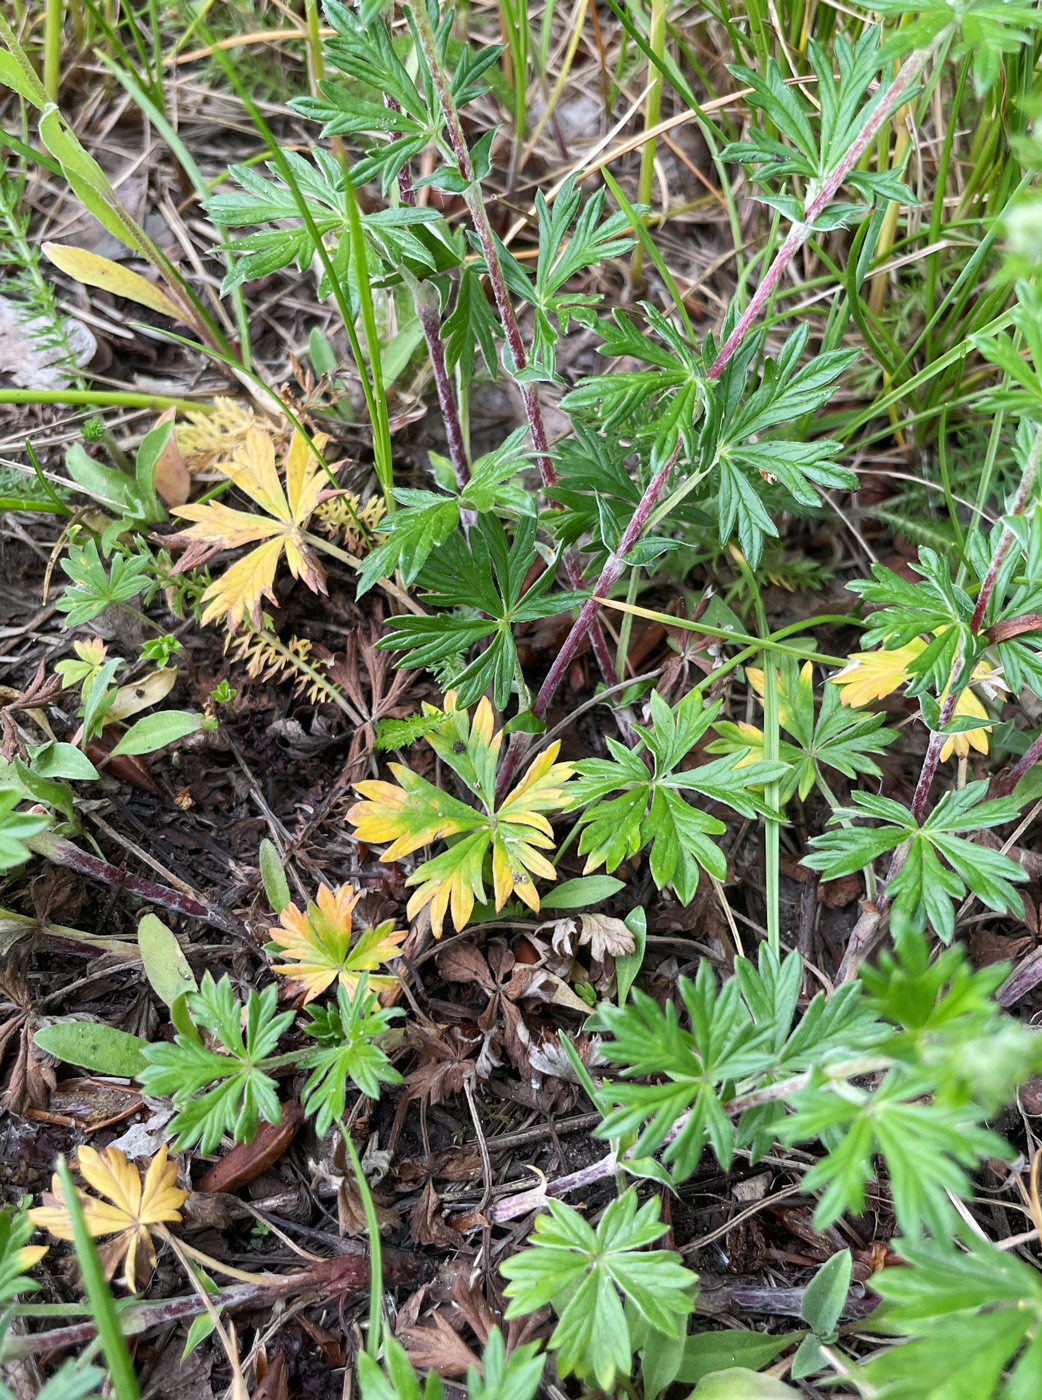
x,y
506,838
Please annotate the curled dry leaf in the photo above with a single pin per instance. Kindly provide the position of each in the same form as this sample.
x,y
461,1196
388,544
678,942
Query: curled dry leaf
x,y
246,1161
604,936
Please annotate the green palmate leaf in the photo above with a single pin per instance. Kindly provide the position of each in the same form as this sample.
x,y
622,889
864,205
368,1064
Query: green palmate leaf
x,y
787,390
972,1316
429,519
242,1092
346,1051
667,398
426,522
409,238
924,888
651,807
484,575
836,737
812,136
581,1271
597,493
94,587
723,1043
471,326
592,241
928,1147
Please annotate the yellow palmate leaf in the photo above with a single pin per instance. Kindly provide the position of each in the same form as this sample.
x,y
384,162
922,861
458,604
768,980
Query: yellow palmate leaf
x,y
318,949
509,837
126,1205
95,271
242,585
960,744
873,675
278,531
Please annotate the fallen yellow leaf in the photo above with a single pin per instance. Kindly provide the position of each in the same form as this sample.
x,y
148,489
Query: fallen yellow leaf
x,y
279,530
95,271
129,1205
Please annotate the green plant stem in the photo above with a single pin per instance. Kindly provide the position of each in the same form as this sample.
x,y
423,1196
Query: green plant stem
x,y
39,507
90,398
772,790
99,1295
372,1225
52,48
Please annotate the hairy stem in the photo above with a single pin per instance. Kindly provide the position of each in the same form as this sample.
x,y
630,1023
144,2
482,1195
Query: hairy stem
x,y
610,575
798,235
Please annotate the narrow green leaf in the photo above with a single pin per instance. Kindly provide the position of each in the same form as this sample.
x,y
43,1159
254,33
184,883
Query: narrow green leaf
x,y
166,967
156,731
273,876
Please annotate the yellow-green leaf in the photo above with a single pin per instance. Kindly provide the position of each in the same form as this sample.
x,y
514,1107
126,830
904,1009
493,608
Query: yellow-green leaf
x,y
95,271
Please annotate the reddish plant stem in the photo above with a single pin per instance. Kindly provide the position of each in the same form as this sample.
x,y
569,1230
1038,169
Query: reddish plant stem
x,y
430,324
1006,782
799,233
501,294
610,575
64,853
1019,505
797,236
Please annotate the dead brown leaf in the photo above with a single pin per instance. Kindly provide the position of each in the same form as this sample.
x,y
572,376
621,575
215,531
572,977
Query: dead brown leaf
x,y
438,1348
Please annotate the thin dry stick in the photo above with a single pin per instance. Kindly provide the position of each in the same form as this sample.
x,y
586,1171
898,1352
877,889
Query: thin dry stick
x,y
513,1206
